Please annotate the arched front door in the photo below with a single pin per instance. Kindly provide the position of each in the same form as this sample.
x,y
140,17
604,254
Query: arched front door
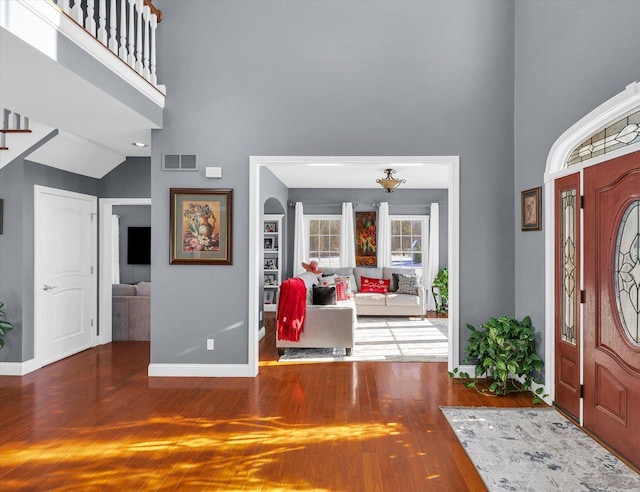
x,y
610,201
612,303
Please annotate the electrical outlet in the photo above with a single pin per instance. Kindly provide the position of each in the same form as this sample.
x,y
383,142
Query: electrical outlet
x,y
209,343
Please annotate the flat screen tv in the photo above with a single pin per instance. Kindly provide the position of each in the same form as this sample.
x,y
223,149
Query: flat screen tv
x,y
139,246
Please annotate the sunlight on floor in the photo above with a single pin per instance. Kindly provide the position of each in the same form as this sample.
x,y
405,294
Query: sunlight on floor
x,y
106,456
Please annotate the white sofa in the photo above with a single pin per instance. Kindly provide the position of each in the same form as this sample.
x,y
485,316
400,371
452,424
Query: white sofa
x,y
389,304
326,327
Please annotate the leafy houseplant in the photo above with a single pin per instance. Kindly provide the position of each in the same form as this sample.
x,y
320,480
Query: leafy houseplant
x,y
441,283
504,351
5,326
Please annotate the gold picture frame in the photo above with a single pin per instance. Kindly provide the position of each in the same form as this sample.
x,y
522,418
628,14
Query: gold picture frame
x,y
201,226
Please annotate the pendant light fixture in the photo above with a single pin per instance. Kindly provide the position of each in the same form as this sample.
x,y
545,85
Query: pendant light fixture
x,y
389,183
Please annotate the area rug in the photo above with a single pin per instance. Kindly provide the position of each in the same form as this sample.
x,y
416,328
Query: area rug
x,y
385,340
520,449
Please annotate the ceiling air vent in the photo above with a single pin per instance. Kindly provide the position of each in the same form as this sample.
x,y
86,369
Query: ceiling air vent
x,y
179,162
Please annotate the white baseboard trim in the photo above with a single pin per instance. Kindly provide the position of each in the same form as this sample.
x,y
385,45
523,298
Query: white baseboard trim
x,y
200,370
18,368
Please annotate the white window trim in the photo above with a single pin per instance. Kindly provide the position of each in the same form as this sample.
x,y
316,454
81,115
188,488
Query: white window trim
x,y
307,228
425,237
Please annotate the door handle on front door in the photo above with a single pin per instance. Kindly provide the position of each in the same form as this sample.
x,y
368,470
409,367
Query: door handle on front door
x,y
49,287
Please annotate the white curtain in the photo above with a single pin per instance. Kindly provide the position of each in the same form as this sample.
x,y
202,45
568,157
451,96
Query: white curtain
x,y
347,237
299,242
115,249
433,260
383,239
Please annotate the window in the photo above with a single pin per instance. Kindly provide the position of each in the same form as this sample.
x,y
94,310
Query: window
x,y
323,233
409,240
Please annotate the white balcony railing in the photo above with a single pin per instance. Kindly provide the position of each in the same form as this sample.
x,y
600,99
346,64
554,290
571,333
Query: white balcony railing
x,y
126,27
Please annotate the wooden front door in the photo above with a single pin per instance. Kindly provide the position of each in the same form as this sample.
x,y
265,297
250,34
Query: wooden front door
x,y
612,310
567,300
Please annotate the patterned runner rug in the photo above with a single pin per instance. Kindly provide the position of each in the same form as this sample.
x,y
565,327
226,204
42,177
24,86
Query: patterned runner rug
x,y
521,449
386,340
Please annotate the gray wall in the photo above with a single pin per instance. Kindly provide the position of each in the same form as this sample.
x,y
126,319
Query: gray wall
x,y
131,179
330,78
401,202
132,216
571,56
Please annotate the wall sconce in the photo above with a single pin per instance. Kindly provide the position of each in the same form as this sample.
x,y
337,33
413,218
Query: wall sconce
x,y
389,183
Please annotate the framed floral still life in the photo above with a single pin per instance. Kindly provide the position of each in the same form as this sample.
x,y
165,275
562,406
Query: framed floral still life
x,y
531,209
201,226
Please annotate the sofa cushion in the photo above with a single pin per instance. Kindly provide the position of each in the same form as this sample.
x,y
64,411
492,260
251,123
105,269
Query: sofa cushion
x,y
407,284
324,296
366,272
121,290
374,285
143,289
395,299
388,272
327,280
369,299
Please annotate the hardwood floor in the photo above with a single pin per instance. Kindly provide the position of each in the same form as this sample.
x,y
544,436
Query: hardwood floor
x,y
95,421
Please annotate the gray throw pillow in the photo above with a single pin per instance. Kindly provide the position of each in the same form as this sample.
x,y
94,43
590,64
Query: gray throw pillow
x,y
407,284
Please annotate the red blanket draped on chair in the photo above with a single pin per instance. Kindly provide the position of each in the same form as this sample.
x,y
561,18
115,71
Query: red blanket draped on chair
x,y
292,307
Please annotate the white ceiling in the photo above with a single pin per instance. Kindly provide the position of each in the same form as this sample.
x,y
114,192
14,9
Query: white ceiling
x,y
336,172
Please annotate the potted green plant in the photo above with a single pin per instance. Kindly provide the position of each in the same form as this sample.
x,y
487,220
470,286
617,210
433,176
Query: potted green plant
x,y
440,290
5,326
504,352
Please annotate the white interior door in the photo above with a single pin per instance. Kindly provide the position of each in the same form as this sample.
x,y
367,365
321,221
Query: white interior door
x,y
65,280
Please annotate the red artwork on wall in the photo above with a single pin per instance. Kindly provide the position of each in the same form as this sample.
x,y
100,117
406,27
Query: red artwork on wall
x,y
366,239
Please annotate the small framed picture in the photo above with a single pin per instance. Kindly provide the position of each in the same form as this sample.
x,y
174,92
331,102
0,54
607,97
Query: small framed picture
x,y
269,227
268,243
271,264
532,209
270,279
269,296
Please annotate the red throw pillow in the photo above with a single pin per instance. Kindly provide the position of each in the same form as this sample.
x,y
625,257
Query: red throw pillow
x,y
374,285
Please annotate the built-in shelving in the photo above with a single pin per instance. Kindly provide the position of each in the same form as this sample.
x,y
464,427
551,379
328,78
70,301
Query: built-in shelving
x,y
272,259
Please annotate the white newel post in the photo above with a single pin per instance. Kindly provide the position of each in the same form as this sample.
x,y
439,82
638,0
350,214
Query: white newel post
x,y
102,22
146,73
113,31
123,30
90,21
131,58
154,26
138,67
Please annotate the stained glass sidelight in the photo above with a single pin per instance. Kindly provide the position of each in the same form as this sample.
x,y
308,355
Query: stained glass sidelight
x,y
569,304
627,272
624,132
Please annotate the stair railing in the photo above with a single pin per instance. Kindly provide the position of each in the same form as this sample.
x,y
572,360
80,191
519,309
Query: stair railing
x,y
126,27
12,123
